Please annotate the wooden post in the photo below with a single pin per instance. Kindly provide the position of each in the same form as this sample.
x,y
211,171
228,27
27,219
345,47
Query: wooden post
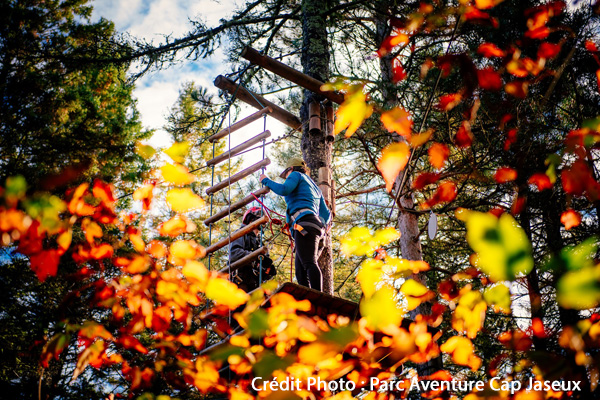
x,y
237,234
236,177
244,260
251,98
314,114
325,185
239,148
236,206
240,124
329,123
289,73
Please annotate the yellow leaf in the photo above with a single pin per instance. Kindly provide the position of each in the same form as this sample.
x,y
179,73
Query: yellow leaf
x,y
178,151
462,352
195,270
381,310
353,111
64,239
393,160
398,120
469,315
421,138
186,249
144,151
370,276
176,174
182,200
224,292
360,242
415,293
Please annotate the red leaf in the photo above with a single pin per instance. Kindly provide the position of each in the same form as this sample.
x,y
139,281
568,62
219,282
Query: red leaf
x,y
591,46
598,78
548,50
518,205
464,137
438,153
505,174
477,16
540,180
570,219
390,42
424,179
574,179
132,343
538,33
45,263
398,72
449,101
490,50
31,242
511,138
489,79
537,327
446,192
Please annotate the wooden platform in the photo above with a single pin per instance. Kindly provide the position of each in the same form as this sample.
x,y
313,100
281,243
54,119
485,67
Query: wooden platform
x,y
322,303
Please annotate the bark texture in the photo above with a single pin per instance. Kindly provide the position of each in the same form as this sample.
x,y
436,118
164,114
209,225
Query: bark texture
x,y
316,148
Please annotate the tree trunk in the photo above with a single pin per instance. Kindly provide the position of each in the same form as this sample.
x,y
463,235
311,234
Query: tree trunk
x,y
316,147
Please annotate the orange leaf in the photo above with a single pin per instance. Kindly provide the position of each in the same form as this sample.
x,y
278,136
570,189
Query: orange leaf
x,y
176,226
390,42
45,263
464,137
77,205
490,50
438,153
132,343
176,174
541,180
486,4
144,194
517,68
517,89
505,174
449,101
462,351
424,179
446,192
393,160
489,79
157,249
105,250
182,200
477,16
538,33
548,50
570,219
104,192
598,78
353,111
421,138
397,120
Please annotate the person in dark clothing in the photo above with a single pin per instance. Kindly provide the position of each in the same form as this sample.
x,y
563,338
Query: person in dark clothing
x,y
248,277
307,215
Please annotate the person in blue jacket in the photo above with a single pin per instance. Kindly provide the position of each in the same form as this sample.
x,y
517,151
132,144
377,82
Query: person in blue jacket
x,y
306,214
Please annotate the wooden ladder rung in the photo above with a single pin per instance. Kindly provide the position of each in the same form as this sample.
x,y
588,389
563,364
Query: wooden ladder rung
x,y
237,234
236,177
244,260
236,206
240,124
239,148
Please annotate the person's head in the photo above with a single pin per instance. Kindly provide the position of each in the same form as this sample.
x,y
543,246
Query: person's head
x,y
294,164
251,215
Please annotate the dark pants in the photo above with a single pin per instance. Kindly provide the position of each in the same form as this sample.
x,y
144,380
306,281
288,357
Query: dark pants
x,y
308,272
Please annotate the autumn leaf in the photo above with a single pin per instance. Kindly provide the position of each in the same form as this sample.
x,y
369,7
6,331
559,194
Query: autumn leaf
x,y
464,136
518,89
182,200
178,151
359,241
489,79
398,72
415,293
469,315
145,151
381,310
420,138
176,174
438,154
490,50
486,4
187,249
226,293
505,174
462,351
570,219
398,120
176,226
548,50
498,295
394,158
353,111
196,271
449,101
144,194
424,179
390,42
45,263
580,289
445,193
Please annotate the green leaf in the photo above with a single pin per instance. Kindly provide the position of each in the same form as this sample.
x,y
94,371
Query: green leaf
x,y
16,186
145,151
270,362
502,249
580,289
258,323
573,258
341,336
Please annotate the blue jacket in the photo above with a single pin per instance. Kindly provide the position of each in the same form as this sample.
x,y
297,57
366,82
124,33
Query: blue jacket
x,y
300,192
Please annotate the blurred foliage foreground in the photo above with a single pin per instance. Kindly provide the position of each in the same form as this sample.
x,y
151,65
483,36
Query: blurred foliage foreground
x,y
155,308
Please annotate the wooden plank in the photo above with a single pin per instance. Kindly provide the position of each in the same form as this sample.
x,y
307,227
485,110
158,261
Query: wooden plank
x,y
237,234
236,206
236,177
244,260
290,74
238,149
251,98
240,124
